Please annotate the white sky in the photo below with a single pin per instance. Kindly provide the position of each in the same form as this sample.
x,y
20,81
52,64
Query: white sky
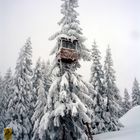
x,y
114,22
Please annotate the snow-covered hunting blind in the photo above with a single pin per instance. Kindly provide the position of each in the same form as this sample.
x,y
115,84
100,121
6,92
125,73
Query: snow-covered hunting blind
x,y
67,49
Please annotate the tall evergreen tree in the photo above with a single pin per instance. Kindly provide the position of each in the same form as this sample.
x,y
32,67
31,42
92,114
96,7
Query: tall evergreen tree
x,y
2,123
97,74
37,75
96,79
135,93
41,84
66,114
121,106
7,91
112,94
39,108
47,80
126,102
20,101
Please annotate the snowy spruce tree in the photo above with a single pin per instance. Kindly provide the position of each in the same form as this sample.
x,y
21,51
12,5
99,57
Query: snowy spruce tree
x,y
6,92
67,112
135,93
112,94
19,106
126,102
96,79
41,84
97,74
8,86
37,75
47,78
2,123
121,105
39,108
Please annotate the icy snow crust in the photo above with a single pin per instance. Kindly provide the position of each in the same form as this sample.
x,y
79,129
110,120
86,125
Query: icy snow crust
x,y
131,131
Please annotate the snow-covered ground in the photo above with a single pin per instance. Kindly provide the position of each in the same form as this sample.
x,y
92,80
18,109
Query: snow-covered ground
x,y
131,131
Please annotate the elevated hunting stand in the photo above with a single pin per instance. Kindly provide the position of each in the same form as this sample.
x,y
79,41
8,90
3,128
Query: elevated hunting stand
x,y
67,50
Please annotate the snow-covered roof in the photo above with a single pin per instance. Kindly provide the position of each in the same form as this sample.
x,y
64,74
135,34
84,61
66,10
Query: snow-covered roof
x,y
72,38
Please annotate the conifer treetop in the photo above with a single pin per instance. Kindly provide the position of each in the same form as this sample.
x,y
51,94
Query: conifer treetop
x,y
70,28
108,66
96,68
69,22
70,15
126,95
24,61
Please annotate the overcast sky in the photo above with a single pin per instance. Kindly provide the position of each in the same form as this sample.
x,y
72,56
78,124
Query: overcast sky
x,y
114,22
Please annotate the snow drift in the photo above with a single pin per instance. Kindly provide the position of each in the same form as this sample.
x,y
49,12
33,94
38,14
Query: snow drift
x,y
132,117
131,130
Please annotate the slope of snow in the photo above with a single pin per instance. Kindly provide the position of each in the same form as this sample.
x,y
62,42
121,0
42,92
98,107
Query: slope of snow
x,y
132,117
131,131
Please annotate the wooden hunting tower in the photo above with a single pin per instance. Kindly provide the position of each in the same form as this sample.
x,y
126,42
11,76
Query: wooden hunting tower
x,y
67,50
